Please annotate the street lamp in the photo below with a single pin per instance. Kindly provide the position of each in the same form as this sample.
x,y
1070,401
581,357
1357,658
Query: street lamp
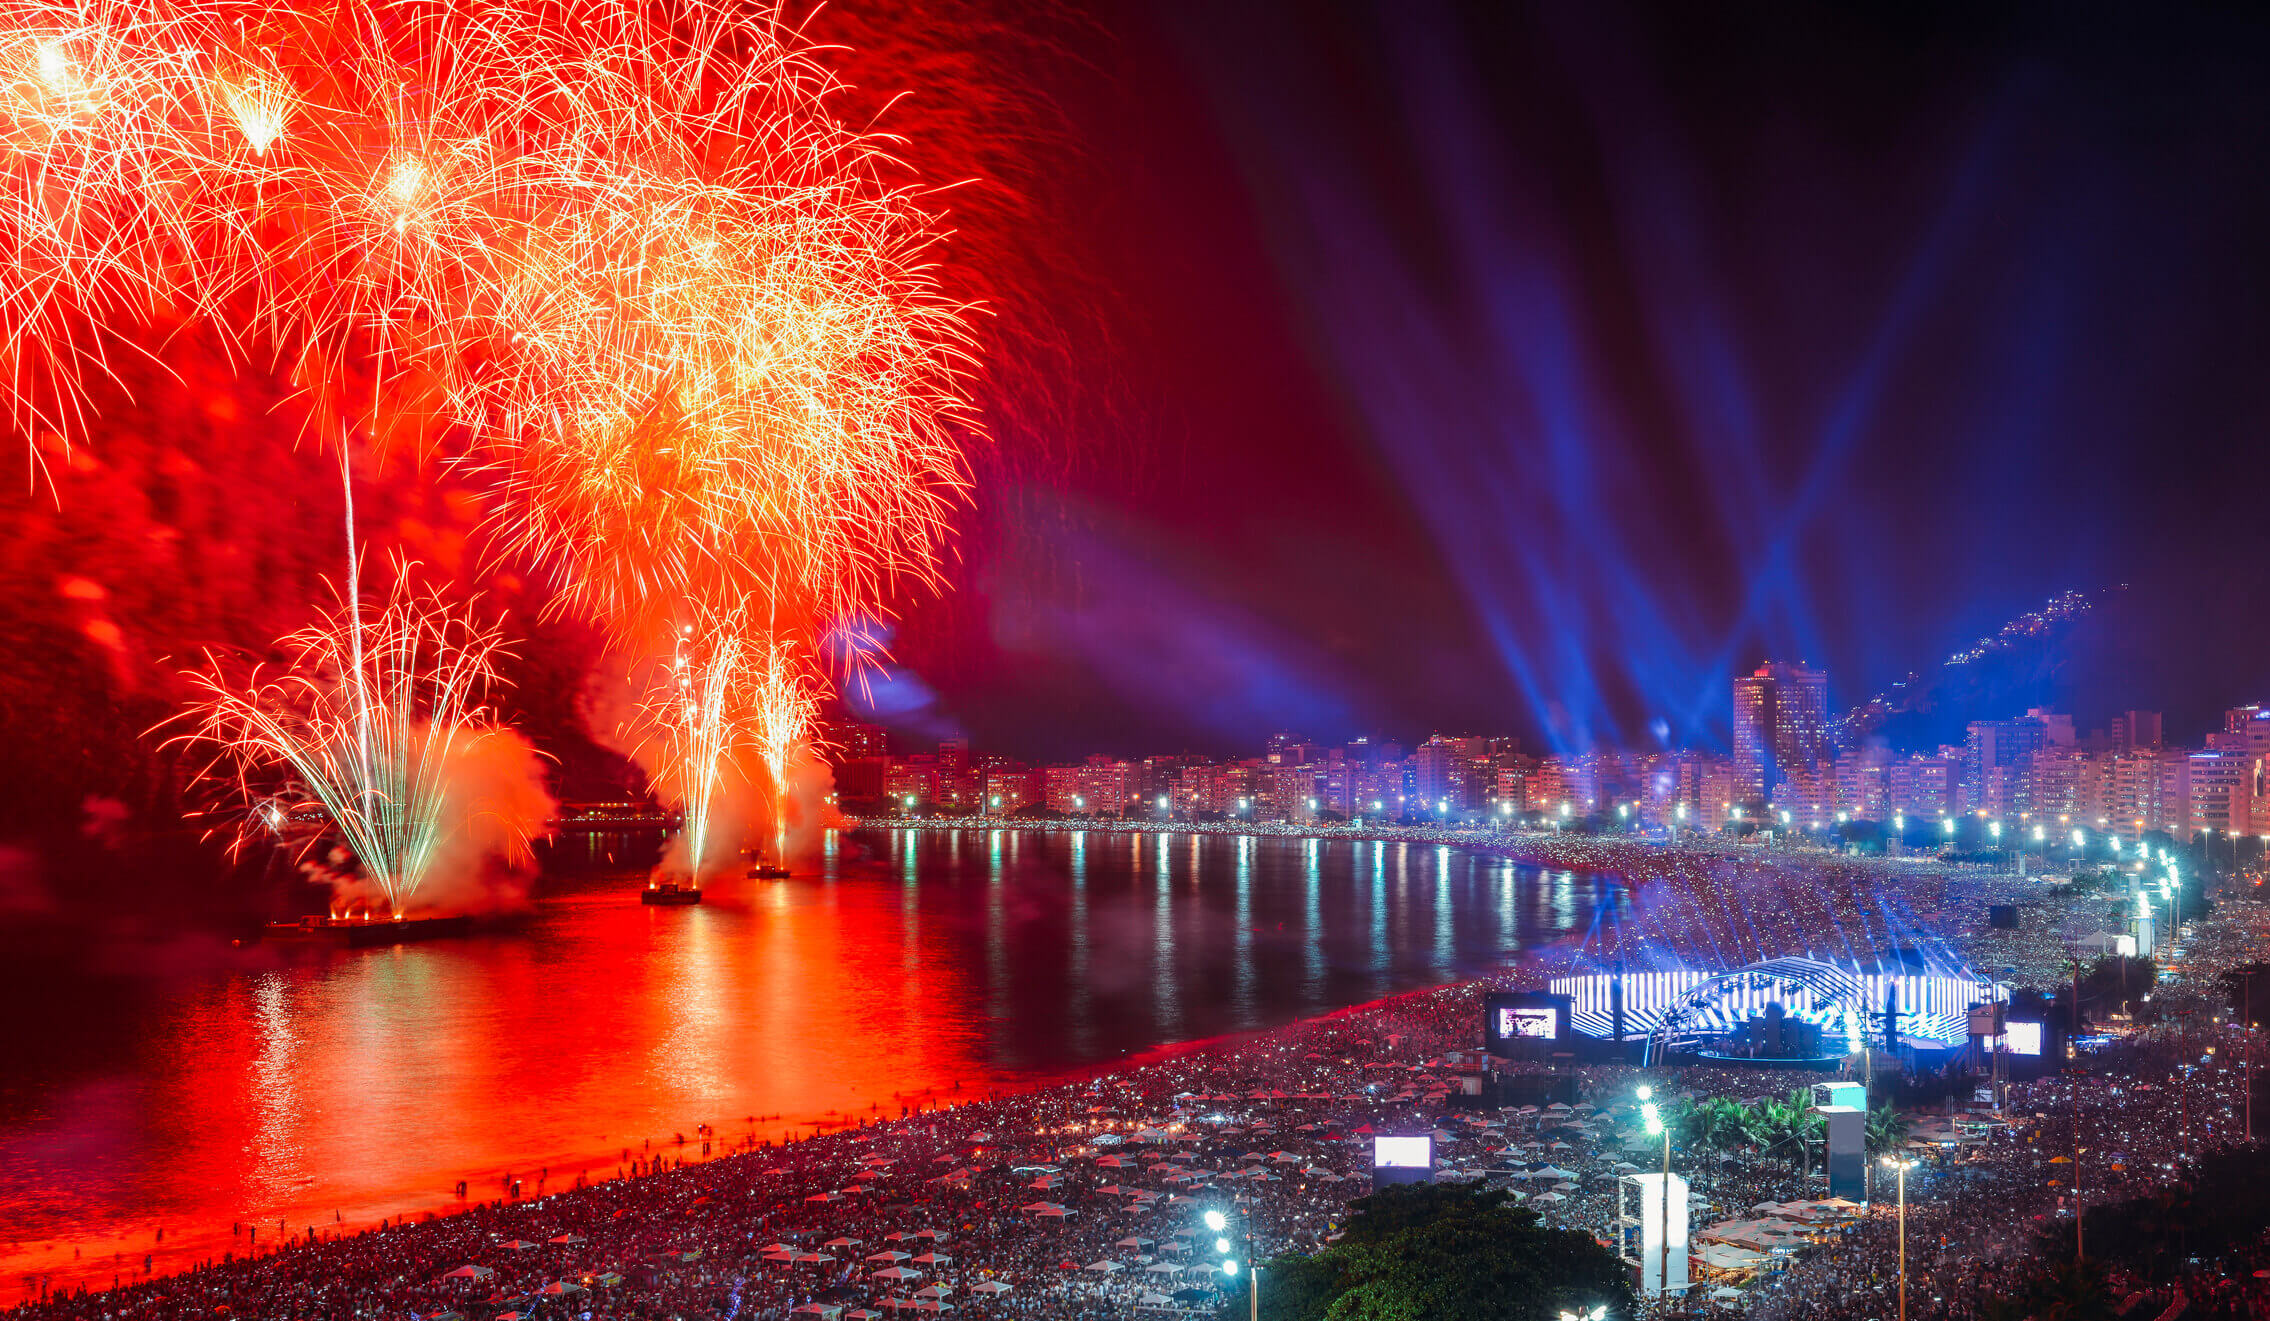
x,y
1219,1223
1581,1315
1653,1119
1903,1166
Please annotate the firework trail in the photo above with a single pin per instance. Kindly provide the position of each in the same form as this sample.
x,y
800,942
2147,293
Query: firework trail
x,y
787,699
699,713
370,724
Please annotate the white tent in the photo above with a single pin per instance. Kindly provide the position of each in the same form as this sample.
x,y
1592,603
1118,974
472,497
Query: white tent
x,y
1104,1267
989,1287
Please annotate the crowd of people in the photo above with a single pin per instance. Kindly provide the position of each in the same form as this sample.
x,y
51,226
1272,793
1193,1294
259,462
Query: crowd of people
x,y
1090,1199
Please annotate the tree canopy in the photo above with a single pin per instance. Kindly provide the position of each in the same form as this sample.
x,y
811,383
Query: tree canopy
x,y
1435,1250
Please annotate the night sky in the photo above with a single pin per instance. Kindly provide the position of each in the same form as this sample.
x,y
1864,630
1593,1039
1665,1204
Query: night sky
x,y
1531,369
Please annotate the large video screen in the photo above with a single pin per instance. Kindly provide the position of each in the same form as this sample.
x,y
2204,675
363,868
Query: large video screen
x,y
2022,1038
1538,1024
1402,1153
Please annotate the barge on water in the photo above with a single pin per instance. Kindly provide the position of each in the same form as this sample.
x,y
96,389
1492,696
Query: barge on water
x,y
671,893
363,931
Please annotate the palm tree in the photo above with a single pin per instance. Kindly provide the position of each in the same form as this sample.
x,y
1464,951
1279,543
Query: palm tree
x,y
1789,1124
1887,1130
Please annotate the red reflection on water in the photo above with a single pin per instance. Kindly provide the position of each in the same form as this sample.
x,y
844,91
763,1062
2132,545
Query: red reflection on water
x,y
366,1084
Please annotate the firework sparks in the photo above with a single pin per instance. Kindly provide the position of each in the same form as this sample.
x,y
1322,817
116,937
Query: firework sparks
x,y
366,733
683,321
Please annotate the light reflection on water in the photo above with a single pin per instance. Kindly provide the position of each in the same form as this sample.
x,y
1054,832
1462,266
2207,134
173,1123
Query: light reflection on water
x,y
369,1082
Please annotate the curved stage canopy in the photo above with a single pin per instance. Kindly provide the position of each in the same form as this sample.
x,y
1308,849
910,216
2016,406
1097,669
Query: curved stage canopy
x,y
1693,1010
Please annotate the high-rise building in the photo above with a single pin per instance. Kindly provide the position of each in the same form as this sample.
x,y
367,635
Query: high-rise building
x,y
1924,786
854,740
1450,773
2136,731
1863,783
1780,722
1994,756
2221,794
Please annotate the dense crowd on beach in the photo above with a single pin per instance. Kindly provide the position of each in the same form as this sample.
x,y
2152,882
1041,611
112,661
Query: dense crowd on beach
x,y
1089,1199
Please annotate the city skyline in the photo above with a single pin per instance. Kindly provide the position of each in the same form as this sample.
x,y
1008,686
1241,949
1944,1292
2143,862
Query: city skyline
x,y
2037,771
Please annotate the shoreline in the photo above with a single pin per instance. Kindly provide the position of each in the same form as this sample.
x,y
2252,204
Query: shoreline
x,y
185,1253
190,1258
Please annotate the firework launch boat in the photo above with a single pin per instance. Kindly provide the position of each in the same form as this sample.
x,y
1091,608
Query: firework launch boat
x,y
768,871
670,892
364,931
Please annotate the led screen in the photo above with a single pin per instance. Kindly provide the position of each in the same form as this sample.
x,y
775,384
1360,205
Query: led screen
x,y
2022,1038
1402,1153
1538,1023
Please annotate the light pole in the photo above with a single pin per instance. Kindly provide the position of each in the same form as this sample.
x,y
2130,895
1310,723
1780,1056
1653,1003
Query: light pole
x,y
1218,1222
1596,1314
1655,1126
1903,1166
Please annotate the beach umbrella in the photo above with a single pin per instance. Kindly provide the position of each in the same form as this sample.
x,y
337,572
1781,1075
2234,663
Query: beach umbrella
x,y
830,1196
1104,1267
520,1245
567,1239
469,1273
934,1235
